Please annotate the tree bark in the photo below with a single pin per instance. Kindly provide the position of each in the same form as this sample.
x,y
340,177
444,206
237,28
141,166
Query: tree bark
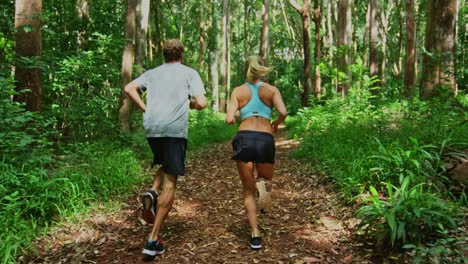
x,y
29,45
365,40
410,60
330,29
373,32
141,34
214,58
157,30
344,40
439,61
127,63
201,39
384,18
224,57
304,11
82,7
317,54
264,36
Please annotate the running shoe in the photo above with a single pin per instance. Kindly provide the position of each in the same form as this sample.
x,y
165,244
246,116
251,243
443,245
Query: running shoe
x,y
150,205
256,243
264,197
152,249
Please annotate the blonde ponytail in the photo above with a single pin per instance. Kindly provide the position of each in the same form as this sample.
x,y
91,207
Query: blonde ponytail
x,y
255,69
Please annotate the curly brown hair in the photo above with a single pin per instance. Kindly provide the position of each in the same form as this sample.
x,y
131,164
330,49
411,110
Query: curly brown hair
x,y
173,50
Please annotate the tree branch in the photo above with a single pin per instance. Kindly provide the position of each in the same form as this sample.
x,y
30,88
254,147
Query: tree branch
x,y
296,5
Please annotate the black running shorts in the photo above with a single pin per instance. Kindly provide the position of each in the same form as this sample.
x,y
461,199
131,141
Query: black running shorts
x,y
170,153
254,146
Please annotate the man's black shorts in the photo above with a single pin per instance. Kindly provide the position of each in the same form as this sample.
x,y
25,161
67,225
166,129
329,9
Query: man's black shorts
x,y
253,146
170,153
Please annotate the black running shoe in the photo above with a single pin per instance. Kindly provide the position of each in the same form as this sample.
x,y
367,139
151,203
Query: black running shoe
x,y
256,243
150,205
152,249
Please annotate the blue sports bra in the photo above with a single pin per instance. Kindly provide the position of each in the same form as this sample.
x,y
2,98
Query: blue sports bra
x,y
255,107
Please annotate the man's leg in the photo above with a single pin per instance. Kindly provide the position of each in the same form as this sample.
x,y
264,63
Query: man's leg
x,y
248,183
157,180
165,201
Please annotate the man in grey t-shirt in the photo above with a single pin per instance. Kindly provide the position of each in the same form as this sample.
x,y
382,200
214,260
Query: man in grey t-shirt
x,y
171,89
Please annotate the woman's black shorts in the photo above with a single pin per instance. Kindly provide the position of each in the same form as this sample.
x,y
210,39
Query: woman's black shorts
x,y
170,153
253,146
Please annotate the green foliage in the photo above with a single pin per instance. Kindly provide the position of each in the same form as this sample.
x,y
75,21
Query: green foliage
x,y
206,127
85,174
395,149
405,214
451,249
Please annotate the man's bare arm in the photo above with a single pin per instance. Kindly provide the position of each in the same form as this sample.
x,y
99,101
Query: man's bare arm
x,y
198,102
131,90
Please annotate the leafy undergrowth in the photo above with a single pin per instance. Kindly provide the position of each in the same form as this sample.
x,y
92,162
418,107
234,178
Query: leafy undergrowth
x,y
391,158
46,177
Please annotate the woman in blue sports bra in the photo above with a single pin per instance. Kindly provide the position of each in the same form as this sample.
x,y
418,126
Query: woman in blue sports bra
x,y
254,145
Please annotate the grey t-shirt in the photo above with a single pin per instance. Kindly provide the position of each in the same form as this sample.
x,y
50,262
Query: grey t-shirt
x,y
168,88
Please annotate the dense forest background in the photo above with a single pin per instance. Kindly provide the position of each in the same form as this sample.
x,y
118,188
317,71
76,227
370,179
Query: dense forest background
x,y
377,91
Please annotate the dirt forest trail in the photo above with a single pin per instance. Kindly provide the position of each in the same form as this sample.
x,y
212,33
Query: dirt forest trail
x,y
208,223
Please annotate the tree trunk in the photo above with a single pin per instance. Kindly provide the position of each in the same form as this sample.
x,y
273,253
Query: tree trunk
x,y
127,63
141,34
304,11
28,44
330,29
201,39
264,38
82,7
317,55
246,28
158,34
344,40
384,18
224,57
365,41
439,61
374,31
214,57
410,60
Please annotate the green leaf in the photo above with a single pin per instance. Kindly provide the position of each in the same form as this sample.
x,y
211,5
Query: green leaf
x,y
27,29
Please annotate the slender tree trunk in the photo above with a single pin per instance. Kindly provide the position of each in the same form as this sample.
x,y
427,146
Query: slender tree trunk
x,y
127,63
374,31
330,29
264,39
141,34
365,41
439,63
410,60
317,55
201,39
304,11
228,57
344,40
157,30
82,7
150,46
214,57
384,18
224,38
29,45
246,28
286,21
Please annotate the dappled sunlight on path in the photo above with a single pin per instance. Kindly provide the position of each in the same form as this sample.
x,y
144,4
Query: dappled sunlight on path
x,y
208,223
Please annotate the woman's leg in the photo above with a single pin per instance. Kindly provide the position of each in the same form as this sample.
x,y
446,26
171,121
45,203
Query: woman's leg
x,y
246,170
264,185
